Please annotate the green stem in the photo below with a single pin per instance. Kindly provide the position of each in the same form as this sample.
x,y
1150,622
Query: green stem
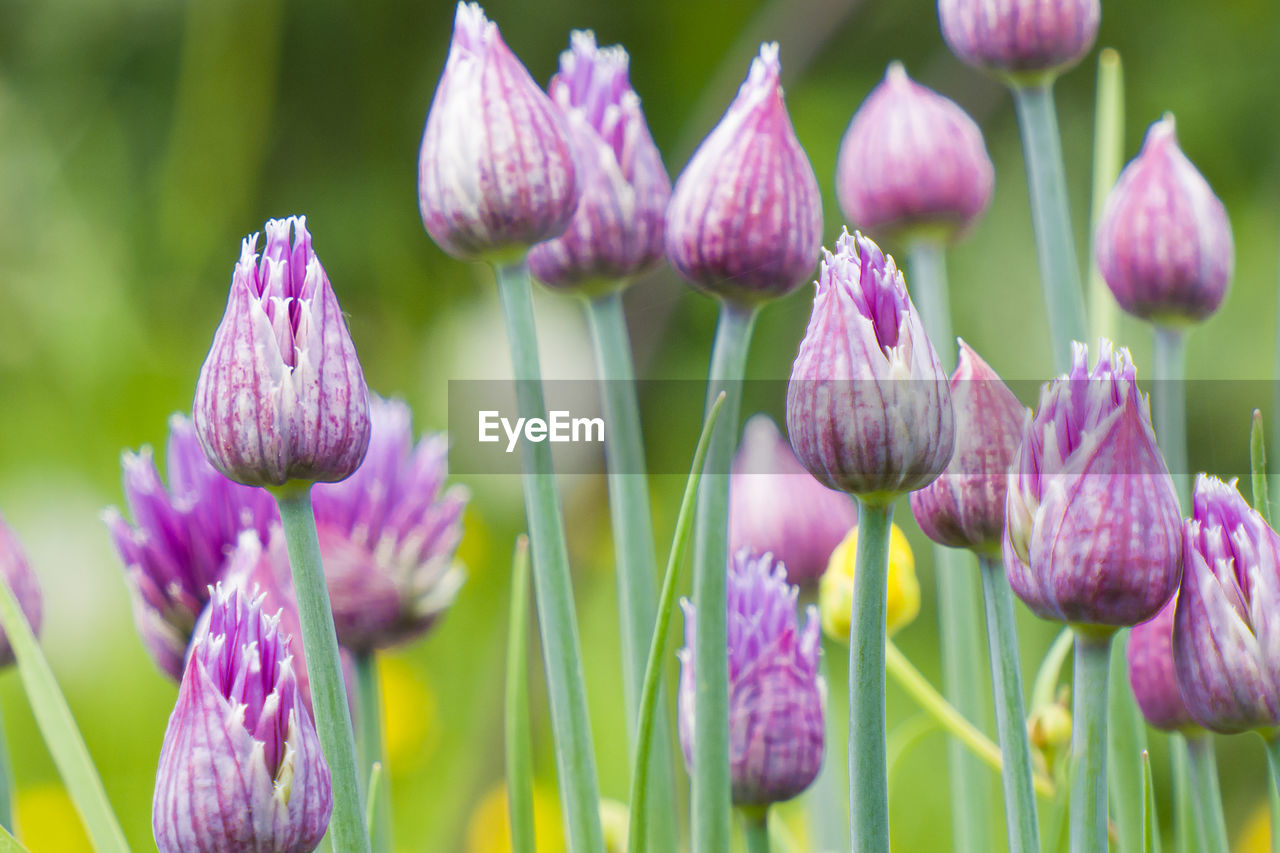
x,y
1108,157
868,784
553,587
6,781
320,645
519,747
755,828
710,787
1011,720
372,750
1169,401
959,633
1258,468
828,822
1273,764
1051,218
1089,742
632,525
1187,831
658,645
1207,802
1126,741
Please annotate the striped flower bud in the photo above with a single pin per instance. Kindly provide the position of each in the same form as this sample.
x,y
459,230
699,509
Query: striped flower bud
x,y
1151,672
1020,37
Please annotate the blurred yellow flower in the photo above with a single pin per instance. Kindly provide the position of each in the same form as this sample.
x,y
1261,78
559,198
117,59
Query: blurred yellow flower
x,y
615,819
1256,835
48,822
409,714
835,590
489,829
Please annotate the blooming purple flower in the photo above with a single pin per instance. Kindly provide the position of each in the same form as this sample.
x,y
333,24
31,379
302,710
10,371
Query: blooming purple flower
x,y
912,160
776,697
616,232
745,219
241,769
496,170
1092,534
775,505
964,507
388,535
22,581
1020,37
1164,242
1151,672
281,395
180,538
868,407
1226,628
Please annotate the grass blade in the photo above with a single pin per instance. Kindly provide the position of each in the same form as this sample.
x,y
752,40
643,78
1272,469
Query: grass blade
x,y
516,710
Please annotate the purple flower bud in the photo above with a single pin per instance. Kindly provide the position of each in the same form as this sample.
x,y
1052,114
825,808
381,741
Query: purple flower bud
x,y
241,767
775,505
964,507
776,697
178,543
1151,672
911,161
281,396
1226,628
616,232
1092,533
1020,37
868,407
388,534
1164,243
745,220
22,581
496,170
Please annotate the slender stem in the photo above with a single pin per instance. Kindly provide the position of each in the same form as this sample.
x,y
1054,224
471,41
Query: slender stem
x,y
1045,687
929,292
632,525
1108,156
372,749
519,747
710,794
1169,401
1126,741
320,644
868,783
1258,468
553,587
1089,742
1051,218
1273,764
1207,802
640,787
755,828
825,799
6,781
1188,833
1011,720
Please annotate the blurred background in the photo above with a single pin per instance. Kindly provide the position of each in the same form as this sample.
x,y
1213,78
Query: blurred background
x,y
141,140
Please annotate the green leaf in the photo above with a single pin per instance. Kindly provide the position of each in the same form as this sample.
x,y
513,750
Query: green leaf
x,y
1258,468
58,728
9,844
1127,741
516,710
1149,819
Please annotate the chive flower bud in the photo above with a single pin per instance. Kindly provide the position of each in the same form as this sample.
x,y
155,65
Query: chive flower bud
x,y
1226,627
496,169
745,219
1151,672
868,406
775,505
1164,243
24,584
776,696
964,507
835,590
912,162
1020,37
1092,533
616,232
281,395
241,767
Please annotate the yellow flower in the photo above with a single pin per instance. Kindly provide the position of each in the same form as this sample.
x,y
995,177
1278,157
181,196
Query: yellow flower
x,y
489,829
835,590
409,714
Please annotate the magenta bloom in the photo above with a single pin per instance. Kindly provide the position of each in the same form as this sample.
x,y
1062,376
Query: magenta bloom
x,y
496,170
1226,629
22,580
868,407
180,538
775,505
1151,672
281,396
616,232
964,507
241,769
745,219
912,160
388,535
776,697
1020,37
1164,242
1092,534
